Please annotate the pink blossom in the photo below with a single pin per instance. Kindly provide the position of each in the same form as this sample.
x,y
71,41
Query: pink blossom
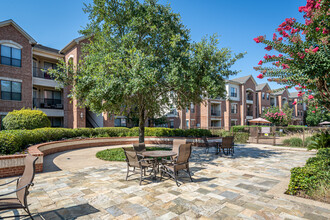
x,y
259,39
285,66
325,31
260,62
313,111
294,103
317,29
315,49
316,107
268,48
260,76
280,55
310,97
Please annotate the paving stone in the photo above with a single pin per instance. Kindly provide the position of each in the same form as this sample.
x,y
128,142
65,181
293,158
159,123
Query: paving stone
x,y
224,188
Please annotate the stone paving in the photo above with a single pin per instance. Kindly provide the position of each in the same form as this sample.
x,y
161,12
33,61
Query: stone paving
x,y
249,185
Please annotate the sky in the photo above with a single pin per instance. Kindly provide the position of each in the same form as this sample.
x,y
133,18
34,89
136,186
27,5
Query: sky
x,y
56,23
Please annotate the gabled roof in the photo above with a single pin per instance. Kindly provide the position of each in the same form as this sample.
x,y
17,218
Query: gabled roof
x,y
48,49
280,92
293,95
261,86
11,22
243,79
72,44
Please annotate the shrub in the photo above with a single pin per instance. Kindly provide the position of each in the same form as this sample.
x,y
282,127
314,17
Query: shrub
x,y
12,141
293,142
313,179
25,119
220,132
244,128
241,137
320,140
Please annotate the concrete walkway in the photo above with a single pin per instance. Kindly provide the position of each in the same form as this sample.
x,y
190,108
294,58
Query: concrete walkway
x,y
249,185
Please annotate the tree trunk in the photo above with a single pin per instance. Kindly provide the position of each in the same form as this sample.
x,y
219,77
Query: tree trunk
x,y
141,125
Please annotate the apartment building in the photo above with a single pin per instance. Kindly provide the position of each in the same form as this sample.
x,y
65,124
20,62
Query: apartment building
x,y
245,100
25,83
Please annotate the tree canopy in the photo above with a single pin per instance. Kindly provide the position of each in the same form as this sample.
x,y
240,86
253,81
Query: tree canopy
x,y
303,61
140,56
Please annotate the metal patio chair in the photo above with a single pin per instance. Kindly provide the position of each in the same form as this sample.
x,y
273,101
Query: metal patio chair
x,y
227,145
180,163
134,160
22,188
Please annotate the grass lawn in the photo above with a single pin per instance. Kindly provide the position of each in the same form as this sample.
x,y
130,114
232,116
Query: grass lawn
x,y
117,154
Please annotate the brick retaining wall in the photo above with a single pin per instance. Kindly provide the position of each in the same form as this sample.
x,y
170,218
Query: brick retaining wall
x,y
13,165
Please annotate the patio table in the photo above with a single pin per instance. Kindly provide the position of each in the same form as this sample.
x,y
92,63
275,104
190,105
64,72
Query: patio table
x,y
156,154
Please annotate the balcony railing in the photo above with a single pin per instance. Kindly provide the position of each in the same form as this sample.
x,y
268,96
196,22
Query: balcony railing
x,y
249,113
41,73
249,97
48,103
215,113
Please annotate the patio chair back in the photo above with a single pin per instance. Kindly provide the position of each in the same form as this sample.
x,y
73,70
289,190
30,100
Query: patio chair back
x,y
228,142
131,157
27,178
206,142
177,143
184,154
140,147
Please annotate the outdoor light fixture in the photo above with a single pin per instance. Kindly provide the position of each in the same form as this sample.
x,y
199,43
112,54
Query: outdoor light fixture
x,y
81,115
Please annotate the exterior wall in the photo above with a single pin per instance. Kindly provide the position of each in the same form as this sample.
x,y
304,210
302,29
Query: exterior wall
x,y
21,74
263,103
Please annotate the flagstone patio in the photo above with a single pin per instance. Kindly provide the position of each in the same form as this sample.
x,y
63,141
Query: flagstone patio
x,y
249,185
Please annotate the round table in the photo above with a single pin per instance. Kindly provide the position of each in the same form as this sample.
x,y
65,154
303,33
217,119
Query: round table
x,y
156,154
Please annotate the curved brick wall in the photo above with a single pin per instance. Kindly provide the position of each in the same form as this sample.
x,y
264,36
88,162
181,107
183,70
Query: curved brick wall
x,y
13,165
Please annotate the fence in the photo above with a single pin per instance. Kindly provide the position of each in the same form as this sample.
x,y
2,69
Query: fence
x,y
276,135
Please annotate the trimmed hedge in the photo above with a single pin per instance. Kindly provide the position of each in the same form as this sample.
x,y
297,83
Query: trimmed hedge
x,y
25,119
239,137
13,141
313,179
244,128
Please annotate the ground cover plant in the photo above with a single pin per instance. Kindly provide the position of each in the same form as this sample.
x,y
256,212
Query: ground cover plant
x,y
313,179
117,154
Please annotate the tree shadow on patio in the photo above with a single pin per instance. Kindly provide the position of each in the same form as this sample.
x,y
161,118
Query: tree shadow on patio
x,y
72,212
199,156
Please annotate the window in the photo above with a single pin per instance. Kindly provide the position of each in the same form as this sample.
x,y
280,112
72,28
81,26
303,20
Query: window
x,y
232,122
10,56
56,121
234,108
171,123
187,124
267,96
192,108
120,122
187,110
233,92
263,95
11,90
53,99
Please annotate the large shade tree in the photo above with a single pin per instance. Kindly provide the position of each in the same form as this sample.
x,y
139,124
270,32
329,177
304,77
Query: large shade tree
x,y
303,61
140,56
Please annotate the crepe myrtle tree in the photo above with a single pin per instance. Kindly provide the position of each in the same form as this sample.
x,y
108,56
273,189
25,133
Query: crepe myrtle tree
x,y
303,61
140,54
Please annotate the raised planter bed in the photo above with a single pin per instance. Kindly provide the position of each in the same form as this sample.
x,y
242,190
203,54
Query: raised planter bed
x,y
13,165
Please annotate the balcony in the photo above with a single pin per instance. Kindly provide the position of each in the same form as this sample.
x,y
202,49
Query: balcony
x,y
215,113
48,103
249,113
41,73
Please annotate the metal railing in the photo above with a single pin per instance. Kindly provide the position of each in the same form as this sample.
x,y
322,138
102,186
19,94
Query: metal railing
x,y
48,103
41,73
249,113
249,97
215,113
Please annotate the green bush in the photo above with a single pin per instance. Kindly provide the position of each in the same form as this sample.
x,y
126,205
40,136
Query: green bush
x,y
241,137
244,128
320,140
314,178
293,142
25,119
220,133
12,141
